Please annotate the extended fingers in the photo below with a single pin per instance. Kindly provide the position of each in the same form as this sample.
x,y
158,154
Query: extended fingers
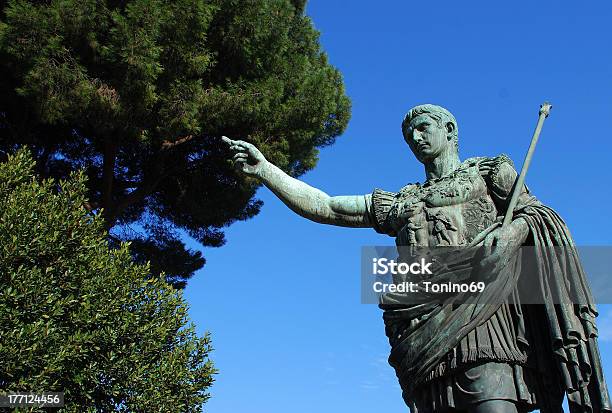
x,y
240,148
243,143
237,144
233,145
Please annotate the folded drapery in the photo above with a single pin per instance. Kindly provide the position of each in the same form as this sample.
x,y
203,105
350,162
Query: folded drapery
x,y
423,332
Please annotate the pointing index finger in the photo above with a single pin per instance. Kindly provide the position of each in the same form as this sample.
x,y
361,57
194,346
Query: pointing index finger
x,y
243,144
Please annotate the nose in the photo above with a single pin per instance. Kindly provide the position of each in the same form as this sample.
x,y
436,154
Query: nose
x,y
416,136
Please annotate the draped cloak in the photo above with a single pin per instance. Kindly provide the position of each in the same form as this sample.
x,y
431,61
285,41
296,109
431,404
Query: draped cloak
x,y
565,347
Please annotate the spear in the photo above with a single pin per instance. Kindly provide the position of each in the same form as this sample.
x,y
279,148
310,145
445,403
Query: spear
x,y
518,185
520,180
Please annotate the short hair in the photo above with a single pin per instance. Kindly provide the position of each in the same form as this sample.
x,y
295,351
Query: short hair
x,y
438,113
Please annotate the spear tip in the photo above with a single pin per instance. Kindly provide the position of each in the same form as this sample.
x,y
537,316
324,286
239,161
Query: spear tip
x,y
545,108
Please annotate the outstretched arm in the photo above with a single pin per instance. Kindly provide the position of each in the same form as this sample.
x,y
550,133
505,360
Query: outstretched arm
x,y
303,199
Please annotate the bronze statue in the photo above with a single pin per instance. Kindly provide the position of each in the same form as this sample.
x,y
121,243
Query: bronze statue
x,y
505,357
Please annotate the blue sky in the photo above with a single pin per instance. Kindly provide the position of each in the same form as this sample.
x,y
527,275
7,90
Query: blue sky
x,y
282,298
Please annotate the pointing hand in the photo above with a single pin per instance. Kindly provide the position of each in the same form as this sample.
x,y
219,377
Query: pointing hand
x,y
247,158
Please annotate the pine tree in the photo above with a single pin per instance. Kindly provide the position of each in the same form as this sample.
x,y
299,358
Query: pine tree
x,y
138,93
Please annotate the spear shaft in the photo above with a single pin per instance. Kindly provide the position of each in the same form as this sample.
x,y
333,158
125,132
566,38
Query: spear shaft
x,y
518,185
520,180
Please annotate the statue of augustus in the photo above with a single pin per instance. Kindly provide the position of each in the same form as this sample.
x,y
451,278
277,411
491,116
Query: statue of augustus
x,y
500,358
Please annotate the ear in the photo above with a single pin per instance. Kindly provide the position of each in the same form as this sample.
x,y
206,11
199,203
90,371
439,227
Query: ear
x,y
450,128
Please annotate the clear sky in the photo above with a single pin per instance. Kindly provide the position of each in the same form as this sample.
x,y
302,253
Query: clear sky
x,y
282,298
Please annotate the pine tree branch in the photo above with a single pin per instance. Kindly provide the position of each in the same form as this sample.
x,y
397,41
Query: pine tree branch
x,y
167,145
137,195
150,183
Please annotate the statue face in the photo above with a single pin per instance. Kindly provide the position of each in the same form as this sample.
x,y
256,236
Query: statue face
x,y
426,139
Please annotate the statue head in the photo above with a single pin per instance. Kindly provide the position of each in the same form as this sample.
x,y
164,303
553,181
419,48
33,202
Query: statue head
x,y
430,130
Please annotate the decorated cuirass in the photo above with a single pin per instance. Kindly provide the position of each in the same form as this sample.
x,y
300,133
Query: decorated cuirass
x,y
451,210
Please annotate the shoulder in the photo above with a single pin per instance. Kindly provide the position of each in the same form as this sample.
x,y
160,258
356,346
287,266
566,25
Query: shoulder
x,y
498,172
383,207
491,165
387,197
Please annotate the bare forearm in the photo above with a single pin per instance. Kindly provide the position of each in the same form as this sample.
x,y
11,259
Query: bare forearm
x,y
313,203
309,202
303,199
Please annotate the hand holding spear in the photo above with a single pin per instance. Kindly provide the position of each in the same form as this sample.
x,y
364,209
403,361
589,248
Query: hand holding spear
x,y
506,237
